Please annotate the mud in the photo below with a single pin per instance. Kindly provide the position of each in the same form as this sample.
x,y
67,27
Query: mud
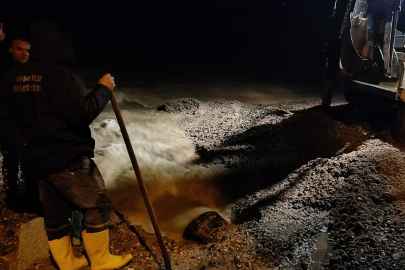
x,y
306,190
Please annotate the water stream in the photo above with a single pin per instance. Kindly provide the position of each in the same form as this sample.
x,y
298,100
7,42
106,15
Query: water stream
x,y
179,186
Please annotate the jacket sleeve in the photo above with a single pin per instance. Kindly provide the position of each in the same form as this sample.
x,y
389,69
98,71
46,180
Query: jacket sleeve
x,y
10,132
78,104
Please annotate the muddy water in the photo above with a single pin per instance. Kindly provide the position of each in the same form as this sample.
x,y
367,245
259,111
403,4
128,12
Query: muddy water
x,y
180,186
321,250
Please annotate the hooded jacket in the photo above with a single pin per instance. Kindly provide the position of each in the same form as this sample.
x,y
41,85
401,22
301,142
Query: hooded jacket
x,y
46,107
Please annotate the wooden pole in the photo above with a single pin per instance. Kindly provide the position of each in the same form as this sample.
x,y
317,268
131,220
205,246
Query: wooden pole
x,y
140,181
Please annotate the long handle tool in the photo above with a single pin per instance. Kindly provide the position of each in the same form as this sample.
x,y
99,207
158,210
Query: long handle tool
x,y
140,181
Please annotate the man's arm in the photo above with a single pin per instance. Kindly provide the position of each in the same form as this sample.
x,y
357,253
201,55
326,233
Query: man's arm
x,y
2,34
78,104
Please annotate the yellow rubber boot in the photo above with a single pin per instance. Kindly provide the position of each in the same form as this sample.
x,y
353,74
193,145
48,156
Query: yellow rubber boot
x,y
62,253
97,247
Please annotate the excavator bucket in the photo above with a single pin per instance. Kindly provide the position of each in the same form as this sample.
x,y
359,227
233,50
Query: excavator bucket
x,y
369,38
353,43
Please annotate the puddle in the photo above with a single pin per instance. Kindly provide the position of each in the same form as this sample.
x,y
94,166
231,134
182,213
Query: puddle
x,y
320,253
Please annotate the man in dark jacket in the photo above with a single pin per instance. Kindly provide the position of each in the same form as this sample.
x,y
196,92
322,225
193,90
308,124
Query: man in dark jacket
x,y
46,108
12,54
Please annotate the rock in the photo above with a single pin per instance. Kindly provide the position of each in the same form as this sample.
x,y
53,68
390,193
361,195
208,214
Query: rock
x,y
208,227
180,105
32,245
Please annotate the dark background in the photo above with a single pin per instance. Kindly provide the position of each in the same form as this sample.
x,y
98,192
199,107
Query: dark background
x,y
272,37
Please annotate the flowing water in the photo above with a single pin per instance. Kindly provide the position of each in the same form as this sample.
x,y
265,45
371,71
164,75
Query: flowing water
x,y
179,185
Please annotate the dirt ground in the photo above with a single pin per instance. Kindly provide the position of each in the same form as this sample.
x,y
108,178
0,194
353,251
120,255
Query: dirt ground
x,y
311,190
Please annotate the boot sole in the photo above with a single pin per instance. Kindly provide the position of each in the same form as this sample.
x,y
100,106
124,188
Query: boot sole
x,y
119,267
83,266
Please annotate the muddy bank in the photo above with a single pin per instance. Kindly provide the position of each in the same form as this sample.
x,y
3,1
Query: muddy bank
x,y
350,198
319,190
306,190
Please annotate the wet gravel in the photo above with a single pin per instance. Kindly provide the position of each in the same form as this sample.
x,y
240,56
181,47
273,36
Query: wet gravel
x,y
309,190
325,191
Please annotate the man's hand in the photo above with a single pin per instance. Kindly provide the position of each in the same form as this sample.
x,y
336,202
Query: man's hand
x,y
2,34
108,81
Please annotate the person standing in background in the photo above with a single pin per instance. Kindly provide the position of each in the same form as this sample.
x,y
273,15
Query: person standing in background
x,y
26,198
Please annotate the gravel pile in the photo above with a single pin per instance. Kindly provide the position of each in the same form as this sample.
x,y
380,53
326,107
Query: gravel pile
x,y
210,124
351,198
321,194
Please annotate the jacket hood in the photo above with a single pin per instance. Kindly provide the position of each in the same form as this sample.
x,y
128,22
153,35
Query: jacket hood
x,y
49,43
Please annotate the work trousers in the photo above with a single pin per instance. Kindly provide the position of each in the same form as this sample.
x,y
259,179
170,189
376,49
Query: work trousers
x,y
79,187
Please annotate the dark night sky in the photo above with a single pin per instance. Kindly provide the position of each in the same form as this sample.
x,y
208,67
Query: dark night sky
x,y
282,36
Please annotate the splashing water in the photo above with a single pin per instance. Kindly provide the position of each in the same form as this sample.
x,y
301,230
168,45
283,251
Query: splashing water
x,y
180,188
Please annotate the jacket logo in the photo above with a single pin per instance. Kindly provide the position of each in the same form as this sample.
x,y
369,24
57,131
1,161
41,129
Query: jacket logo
x,y
27,88
28,84
32,78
